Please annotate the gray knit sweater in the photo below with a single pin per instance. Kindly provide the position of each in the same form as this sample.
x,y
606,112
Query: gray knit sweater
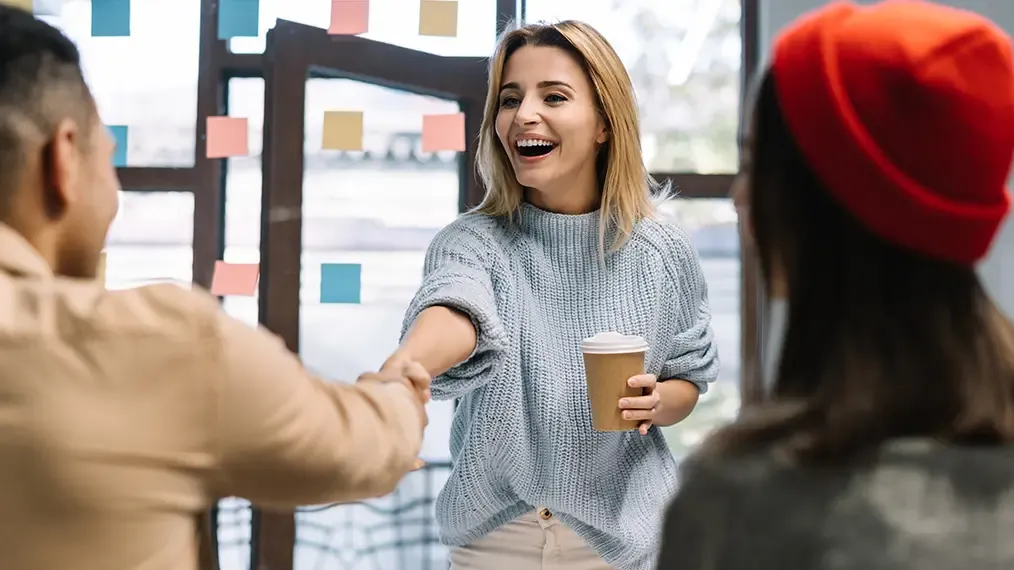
x,y
916,506
522,433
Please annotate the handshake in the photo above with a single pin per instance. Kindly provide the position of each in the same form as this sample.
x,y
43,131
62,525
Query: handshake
x,y
411,374
407,372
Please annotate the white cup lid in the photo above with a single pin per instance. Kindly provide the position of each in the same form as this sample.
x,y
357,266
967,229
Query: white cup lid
x,y
613,343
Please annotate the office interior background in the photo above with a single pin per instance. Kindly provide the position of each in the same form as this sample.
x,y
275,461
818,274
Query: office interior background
x,y
291,206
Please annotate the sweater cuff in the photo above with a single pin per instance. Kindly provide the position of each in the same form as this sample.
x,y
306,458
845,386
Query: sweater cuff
x,y
472,297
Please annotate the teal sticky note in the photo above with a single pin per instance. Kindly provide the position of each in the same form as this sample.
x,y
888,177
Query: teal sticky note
x,y
119,132
238,19
111,18
340,282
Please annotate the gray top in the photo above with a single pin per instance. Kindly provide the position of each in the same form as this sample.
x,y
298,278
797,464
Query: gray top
x,y
916,505
522,431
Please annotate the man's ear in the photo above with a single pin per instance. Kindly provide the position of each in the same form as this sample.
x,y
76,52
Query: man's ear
x,y
61,166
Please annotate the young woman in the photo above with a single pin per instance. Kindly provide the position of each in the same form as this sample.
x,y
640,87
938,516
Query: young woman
x,y
564,246
876,184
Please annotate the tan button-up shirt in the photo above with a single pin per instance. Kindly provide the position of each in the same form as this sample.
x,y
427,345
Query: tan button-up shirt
x,y
125,414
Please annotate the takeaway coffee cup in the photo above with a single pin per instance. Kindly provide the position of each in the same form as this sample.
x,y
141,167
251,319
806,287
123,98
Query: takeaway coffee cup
x,y
610,359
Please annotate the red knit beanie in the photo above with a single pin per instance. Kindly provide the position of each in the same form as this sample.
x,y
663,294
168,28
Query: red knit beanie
x,y
905,111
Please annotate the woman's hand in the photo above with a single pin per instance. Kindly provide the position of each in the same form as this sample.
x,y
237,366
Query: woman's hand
x,y
644,407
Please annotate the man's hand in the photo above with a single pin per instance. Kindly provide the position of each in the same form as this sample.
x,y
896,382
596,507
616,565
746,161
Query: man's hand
x,y
412,374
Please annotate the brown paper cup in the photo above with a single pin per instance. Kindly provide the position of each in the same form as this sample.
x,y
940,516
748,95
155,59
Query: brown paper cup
x,y
610,359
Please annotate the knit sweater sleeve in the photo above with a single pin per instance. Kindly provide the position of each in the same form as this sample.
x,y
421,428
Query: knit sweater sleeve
x,y
457,274
695,353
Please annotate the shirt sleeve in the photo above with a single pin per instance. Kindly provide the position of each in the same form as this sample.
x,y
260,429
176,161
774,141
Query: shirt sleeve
x,y
286,438
694,356
457,274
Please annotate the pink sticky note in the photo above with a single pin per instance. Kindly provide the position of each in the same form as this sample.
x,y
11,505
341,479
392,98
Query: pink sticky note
x,y
443,132
235,279
349,17
227,136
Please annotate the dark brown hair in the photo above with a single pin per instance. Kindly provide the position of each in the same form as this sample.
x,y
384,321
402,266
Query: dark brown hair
x,y
41,84
881,342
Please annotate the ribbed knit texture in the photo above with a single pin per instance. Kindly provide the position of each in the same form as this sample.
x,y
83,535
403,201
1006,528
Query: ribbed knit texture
x,y
522,433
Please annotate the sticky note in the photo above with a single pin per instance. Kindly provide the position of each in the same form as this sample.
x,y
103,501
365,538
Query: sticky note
x,y
235,279
349,17
26,5
343,130
443,132
110,18
340,282
227,136
120,133
100,272
238,19
438,18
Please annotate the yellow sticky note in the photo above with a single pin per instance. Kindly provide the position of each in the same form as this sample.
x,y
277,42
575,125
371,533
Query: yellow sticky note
x,y
438,18
100,273
27,5
343,130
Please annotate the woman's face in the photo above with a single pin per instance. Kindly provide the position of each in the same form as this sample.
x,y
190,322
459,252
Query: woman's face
x,y
743,186
548,122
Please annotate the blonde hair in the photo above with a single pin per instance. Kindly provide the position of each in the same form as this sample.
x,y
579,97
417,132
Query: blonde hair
x,y
626,186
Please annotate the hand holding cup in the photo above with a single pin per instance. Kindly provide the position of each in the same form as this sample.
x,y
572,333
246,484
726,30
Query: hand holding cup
x,y
641,408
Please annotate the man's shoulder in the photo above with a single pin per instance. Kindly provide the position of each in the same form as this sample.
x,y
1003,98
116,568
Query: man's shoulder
x,y
162,309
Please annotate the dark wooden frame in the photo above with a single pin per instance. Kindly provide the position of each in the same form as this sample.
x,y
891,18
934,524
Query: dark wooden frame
x,y
285,65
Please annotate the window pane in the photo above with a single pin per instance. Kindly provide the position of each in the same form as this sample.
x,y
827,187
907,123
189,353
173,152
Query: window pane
x,y
391,21
243,191
242,245
147,81
378,209
150,240
684,57
713,226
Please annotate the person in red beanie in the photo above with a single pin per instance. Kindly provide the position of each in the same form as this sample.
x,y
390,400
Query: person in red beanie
x,y
874,179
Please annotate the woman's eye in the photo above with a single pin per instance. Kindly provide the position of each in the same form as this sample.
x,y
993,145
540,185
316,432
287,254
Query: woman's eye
x,y
555,98
509,102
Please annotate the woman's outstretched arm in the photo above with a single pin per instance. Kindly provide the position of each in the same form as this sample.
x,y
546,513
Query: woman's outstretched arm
x,y
439,339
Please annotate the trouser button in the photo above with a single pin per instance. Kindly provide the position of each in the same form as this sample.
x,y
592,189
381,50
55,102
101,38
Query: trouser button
x,y
545,514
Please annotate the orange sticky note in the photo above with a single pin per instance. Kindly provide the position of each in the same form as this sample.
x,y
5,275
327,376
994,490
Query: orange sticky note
x,y
227,136
349,17
235,279
343,130
438,18
443,132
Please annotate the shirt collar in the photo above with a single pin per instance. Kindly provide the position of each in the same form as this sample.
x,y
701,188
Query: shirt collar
x,y
20,257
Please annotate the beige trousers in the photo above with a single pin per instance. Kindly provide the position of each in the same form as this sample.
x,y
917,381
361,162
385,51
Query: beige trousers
x,y
535,541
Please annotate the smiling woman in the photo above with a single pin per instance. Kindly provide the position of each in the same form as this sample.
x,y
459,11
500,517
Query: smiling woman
x,y
510,291
561,89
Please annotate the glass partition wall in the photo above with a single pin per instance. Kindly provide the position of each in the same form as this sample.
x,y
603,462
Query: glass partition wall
x,y
294,208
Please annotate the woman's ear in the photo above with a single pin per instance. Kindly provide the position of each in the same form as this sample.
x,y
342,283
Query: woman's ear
x,y
603,136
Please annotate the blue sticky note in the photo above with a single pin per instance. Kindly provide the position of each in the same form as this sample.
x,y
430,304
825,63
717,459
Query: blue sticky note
x,y
340,282
110,18
238,19
119,132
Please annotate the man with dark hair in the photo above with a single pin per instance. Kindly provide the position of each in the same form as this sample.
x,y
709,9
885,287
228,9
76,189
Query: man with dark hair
x,y
125,415
58,188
